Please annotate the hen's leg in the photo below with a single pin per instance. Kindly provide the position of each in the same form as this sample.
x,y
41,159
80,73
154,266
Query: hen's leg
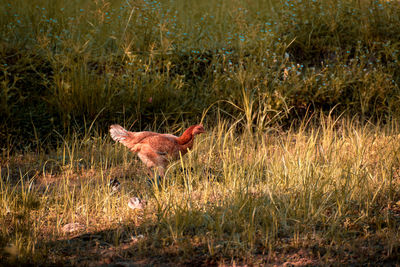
x,y
155,164
152,159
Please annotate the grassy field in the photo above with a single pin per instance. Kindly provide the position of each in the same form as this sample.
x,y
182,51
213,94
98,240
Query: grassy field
x,y
299,165
159,63
317,195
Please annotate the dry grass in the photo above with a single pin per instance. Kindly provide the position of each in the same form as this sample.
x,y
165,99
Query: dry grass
x,y
268,184
316,195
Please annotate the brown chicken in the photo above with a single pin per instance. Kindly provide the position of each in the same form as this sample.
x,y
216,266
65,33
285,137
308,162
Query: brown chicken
x,y
154,149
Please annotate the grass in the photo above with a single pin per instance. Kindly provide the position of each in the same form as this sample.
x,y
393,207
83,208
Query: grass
x,y
314,195
299,166
64,65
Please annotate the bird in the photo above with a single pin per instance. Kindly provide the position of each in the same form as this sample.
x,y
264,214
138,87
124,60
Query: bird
x,y
156,150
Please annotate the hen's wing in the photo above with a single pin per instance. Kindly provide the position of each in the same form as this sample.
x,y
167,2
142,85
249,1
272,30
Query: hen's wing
x,y
162,145
158,151
152,158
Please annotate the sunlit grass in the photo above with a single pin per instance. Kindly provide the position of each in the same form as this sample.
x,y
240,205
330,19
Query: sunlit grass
x,y
330,187
268,183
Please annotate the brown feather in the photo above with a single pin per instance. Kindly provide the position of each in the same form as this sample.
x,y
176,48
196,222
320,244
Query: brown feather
x,y
156,150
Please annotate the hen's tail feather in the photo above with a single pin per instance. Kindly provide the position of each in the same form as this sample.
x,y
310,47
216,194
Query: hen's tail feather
x,y
118,133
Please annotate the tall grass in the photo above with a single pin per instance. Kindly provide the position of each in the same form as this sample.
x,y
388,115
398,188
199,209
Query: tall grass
x,y
64,64
328,189
300,99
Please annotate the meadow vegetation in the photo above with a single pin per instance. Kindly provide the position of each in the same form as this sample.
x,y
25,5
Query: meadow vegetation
x,y
64,65
300,163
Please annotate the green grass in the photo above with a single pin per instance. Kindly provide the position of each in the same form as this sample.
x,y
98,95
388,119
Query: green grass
x,y
299,165
318,194
64,65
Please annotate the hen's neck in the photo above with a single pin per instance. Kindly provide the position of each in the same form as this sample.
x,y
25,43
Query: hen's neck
x,y
186,139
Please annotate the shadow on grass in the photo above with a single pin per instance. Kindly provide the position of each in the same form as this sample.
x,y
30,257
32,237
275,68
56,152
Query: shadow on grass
x,y
125,246
121,247
150,243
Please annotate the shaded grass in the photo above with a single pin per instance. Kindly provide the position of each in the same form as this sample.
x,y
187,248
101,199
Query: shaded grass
x,y
64,64
315,194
